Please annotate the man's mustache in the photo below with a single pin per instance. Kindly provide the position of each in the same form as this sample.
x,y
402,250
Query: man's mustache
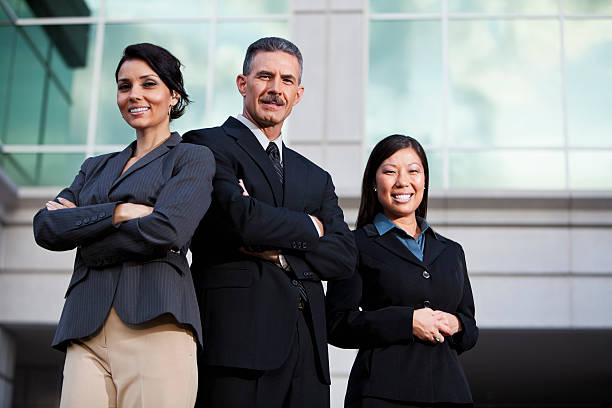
x,y
272,99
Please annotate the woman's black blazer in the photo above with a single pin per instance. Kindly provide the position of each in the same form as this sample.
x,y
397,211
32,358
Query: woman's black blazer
x,y
139,266
372,311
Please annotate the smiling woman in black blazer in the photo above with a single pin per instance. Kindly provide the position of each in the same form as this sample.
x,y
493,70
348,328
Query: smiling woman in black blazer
x,y
130,321
408,308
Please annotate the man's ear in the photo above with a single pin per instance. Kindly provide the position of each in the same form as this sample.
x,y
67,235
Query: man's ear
x,y
241,81
300,92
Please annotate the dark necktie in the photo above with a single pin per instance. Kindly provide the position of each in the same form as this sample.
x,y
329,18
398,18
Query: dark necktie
x,y
274,155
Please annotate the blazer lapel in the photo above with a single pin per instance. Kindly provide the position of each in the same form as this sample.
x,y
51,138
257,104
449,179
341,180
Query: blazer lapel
x,y
390,242
172,141
295,172
249,143
434,246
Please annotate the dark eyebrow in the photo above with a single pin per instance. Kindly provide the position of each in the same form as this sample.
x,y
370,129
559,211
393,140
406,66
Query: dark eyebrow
x,y
141,77
265,73
288,76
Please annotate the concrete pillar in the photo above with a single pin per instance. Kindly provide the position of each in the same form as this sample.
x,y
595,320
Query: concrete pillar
x,y
7,368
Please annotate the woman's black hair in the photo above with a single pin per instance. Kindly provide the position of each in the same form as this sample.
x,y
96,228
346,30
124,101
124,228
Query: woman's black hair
x,y
369,205
165,65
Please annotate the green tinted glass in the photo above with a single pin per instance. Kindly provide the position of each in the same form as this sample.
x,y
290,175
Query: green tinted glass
x,y
503,6
42,169
587,6
188,42
405,93
28,77
435,159
589,82
590,170
8,36
233,40
505,83
519,170
405,6
252,7
54,8
158,8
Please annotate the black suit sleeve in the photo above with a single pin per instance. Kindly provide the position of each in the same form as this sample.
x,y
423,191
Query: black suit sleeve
x,y
335,256
65,229
350,327
255,222
180,205
467,337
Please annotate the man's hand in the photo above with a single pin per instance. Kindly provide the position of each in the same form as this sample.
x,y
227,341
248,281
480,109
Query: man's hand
x,y
270,255
319,224
244,190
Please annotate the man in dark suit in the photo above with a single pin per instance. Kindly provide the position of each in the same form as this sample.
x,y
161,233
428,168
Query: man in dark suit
x,y
273,233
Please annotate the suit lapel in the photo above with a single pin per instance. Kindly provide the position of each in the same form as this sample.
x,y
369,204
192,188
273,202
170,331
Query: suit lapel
x,y
295,173
434,246
172,141
390,242
249,143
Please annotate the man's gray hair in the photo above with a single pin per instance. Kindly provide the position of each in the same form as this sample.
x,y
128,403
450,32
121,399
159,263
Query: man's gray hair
x,y
271,44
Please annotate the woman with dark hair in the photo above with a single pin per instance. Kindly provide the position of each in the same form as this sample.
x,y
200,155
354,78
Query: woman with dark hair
x,y
130,322
408,308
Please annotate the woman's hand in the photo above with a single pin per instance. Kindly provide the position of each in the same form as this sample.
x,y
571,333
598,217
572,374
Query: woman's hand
x,y
452,323
428,325
63,203
128,211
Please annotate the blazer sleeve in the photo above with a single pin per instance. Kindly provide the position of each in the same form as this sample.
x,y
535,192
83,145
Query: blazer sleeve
x,y
180,205
255,222
467,337
351,327
65,229
336,254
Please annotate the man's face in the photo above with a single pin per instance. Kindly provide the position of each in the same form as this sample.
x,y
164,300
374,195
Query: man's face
x,y
271,89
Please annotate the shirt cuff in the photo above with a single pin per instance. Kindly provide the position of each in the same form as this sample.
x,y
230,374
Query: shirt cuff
x,y
316,225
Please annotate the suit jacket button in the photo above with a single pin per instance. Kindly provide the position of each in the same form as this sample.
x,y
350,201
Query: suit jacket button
x,y
86,220
427,303
307,274
294,282
78,223
426,274
101,215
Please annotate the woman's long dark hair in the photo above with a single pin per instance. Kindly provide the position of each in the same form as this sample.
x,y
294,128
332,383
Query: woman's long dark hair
x,y
369,205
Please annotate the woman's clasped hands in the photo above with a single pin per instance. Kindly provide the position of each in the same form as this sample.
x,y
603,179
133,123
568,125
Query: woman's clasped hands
x,y
433,325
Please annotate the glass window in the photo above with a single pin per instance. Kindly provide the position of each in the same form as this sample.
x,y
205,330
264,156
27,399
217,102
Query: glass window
x,y
517,170
158,8
435,160
57,118
252,7
505,83
587,6
27,80
54,8
187,41
38,38
8,35
232,41
42,169
591,170
405,93
405,6
589,82
503,6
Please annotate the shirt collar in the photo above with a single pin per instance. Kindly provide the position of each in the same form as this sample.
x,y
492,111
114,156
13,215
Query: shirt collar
x,y
260,135
384,224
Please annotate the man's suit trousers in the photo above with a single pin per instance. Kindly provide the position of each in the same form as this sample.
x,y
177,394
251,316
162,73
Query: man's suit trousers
x,y
296,384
